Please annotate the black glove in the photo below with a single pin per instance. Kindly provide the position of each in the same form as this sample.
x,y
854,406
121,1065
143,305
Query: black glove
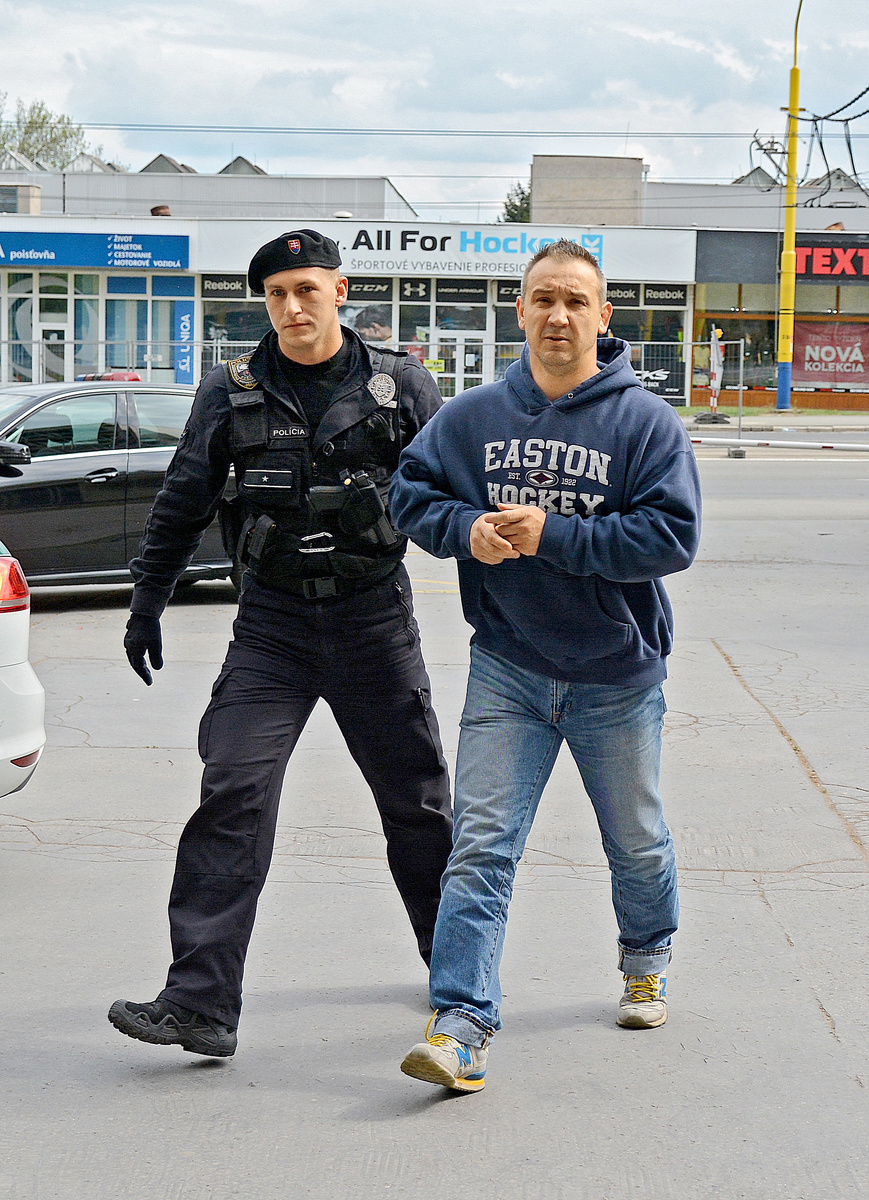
x,y
143,634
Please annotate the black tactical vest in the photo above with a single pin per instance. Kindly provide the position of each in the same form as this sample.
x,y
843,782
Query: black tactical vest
x,y
309,516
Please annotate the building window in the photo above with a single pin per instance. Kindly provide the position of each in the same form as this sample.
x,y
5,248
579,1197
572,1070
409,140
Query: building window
x,y
816,298
854,299
758,297
717,297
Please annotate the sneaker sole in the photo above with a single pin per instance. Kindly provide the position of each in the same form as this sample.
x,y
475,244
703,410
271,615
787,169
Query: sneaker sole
x,y
128,1025
431,1072
639,1022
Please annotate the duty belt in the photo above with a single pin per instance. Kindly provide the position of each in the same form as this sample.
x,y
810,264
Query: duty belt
x,y
325,587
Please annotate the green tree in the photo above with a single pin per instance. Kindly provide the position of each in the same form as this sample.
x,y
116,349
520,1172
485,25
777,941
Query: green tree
x,y
36,132
517,206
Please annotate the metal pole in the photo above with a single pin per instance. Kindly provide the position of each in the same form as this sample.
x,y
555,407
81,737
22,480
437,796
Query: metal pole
x,y
788,273
741,380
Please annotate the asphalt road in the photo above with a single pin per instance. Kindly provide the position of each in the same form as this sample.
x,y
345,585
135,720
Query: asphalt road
x,y
756,1087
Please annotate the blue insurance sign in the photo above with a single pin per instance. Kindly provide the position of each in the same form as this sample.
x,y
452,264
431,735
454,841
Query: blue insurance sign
x,y
130,251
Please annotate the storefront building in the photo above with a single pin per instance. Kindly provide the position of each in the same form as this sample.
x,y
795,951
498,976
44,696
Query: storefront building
x,y
736,291
168,298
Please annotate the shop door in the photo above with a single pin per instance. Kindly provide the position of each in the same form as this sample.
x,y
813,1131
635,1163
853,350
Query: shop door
x,y
462,358
53,332
55,348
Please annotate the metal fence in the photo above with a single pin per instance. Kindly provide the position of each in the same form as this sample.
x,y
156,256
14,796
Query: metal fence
x,y
457,362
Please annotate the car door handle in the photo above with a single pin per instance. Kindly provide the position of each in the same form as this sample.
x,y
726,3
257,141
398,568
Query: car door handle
x,y
103,475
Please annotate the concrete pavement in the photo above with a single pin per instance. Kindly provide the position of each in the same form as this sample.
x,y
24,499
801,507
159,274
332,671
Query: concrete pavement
x,y
757,1086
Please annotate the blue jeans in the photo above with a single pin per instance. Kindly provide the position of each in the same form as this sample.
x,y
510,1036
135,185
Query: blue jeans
x,y
513,724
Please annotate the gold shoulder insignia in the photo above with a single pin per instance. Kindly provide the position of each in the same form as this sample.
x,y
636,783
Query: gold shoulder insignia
x,y
240,371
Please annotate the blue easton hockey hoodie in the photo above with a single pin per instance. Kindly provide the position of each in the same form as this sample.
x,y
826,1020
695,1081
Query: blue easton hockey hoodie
x,y
612,467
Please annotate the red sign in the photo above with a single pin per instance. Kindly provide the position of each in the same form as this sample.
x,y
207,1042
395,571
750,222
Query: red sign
x,y
830,354
841,258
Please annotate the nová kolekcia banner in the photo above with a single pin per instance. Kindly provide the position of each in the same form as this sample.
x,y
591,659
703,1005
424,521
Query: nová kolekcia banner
x,y
828,354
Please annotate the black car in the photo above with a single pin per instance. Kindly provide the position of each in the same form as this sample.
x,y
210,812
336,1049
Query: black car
x,y
75,513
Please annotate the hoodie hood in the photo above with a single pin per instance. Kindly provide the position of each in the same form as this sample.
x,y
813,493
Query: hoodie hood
x,y
614,375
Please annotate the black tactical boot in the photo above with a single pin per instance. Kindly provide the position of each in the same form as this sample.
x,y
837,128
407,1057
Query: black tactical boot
x,y
168,1024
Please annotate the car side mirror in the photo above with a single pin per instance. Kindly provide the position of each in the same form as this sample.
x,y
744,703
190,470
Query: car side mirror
x,y
13,455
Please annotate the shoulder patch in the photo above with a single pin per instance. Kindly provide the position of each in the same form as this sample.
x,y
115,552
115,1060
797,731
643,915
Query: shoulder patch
x,y
240,371
382,388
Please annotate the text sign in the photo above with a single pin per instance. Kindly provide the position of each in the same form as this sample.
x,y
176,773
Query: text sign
x,y
665,295
376,288
840,259
225,286
623,295
124,250
184,341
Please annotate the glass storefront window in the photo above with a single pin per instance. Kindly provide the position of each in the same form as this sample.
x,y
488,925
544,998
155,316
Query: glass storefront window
x,y
759,297
126,333
647,324
717,297
413,322
20,283
237,324
759,368
52,308
161,350
507,326
53,284
854,299
21,337
815,298
372,322
86,337
87,285
461,316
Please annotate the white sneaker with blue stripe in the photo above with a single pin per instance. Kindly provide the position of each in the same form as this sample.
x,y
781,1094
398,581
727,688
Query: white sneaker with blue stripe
x,y
445,1060
644,1002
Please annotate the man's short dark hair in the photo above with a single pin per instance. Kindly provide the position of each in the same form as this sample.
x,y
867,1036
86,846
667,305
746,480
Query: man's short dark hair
x,y
562,251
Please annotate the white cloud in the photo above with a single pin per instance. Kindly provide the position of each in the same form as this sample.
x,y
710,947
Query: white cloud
x,y
518,64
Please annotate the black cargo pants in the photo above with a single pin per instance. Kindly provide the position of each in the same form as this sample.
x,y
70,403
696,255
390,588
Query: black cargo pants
x,y
361,654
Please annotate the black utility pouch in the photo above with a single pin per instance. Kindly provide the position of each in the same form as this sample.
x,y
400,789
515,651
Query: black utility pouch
x,y
272,488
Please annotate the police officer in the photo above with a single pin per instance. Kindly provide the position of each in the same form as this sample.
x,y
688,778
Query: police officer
x,y
313,422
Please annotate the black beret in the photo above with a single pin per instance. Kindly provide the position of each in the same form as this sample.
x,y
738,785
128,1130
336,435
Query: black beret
x,y
300,248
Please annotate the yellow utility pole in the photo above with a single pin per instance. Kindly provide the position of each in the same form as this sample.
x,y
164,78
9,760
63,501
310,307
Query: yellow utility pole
x,y
788,271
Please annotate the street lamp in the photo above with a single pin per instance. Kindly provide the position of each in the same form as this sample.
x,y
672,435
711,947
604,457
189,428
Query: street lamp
x,y
788,272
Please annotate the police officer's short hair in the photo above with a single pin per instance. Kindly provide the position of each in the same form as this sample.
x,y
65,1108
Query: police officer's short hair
x,y
562,251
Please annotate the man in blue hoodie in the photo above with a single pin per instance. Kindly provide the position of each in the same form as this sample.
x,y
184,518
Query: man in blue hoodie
x,y
565,491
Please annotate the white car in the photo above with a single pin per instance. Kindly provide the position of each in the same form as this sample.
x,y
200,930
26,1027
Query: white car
x,y
22,699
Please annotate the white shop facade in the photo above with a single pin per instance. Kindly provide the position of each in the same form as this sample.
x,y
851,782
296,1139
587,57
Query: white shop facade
x,y
169,298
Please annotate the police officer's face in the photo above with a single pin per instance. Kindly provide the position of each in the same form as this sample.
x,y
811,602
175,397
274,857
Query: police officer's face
x,y
303,308
562,315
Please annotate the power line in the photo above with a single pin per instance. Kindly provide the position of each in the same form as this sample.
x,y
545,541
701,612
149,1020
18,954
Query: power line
x,y
131,127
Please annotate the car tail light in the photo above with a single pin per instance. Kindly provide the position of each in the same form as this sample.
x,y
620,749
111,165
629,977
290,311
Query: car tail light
x,y
14,592
26,760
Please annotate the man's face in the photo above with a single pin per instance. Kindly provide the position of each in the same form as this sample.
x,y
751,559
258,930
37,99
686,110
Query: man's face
x,y
303,308
562,316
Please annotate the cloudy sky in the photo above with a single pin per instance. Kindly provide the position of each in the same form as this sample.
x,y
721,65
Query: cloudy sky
x,y
544,67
